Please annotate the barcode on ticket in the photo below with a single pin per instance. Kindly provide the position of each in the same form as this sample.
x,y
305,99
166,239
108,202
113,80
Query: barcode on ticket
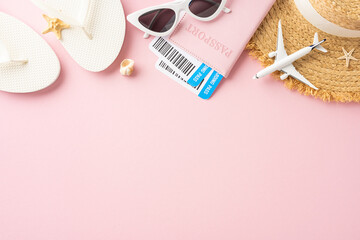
x,y
162,65
176,58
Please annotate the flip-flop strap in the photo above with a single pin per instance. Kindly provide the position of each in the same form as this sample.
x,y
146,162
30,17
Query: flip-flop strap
x,y
5,58
81,21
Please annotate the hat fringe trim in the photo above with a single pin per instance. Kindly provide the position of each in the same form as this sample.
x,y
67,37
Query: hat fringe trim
x,y
293,84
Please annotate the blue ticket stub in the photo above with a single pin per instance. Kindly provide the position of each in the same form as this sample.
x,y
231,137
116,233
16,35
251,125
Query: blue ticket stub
x,y
199,75
204,90
210,85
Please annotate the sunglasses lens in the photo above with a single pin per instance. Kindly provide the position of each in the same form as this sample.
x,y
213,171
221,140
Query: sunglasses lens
x,y
160,20
204,8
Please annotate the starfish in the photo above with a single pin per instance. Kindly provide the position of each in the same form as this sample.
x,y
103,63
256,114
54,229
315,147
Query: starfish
x,y
55,26
348,56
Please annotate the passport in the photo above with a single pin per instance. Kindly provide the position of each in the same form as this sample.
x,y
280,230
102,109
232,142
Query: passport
x,y
219,43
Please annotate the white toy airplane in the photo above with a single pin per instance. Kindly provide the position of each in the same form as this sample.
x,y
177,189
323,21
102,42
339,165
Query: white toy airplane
x,y
283,62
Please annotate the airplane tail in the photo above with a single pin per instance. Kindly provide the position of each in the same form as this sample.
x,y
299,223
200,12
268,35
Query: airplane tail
x,y
316,42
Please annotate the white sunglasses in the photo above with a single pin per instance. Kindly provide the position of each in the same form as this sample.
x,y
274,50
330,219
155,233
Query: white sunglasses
x,y
161,20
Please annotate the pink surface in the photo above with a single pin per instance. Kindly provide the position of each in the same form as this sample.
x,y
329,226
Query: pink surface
x,y
100,156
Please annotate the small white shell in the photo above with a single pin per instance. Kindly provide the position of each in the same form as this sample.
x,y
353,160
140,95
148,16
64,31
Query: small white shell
x,y
127,67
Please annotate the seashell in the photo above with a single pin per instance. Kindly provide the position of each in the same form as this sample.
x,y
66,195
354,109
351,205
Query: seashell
x,y
127,67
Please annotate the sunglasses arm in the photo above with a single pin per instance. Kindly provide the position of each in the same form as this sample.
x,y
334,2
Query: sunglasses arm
x,y
226,10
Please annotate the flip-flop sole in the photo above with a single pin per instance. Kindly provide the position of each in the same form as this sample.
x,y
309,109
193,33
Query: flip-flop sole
x,y
107,27
43,67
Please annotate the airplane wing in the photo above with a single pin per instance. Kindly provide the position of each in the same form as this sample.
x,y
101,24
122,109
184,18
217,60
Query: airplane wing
x,y
280,48
291,71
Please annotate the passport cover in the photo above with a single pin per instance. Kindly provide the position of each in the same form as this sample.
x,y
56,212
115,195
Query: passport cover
x,y
219,43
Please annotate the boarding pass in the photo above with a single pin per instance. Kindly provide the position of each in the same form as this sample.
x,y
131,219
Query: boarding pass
x,y
184,68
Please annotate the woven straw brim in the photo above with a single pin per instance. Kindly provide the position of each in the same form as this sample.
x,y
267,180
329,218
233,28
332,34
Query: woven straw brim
x,y
345,13
335,81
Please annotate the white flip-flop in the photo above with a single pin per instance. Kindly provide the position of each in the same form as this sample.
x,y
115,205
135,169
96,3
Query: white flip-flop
x,y
96,29
27,63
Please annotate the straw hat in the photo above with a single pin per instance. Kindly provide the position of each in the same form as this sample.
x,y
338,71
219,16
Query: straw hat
x,y
336,20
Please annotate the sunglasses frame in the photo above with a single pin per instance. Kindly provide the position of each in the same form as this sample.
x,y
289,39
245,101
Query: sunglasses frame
x,y
178,7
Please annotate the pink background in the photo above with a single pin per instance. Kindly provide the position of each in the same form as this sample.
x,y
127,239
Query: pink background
x,y
100,156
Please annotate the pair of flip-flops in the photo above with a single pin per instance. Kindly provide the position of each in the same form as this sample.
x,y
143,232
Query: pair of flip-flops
x,y
92,31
